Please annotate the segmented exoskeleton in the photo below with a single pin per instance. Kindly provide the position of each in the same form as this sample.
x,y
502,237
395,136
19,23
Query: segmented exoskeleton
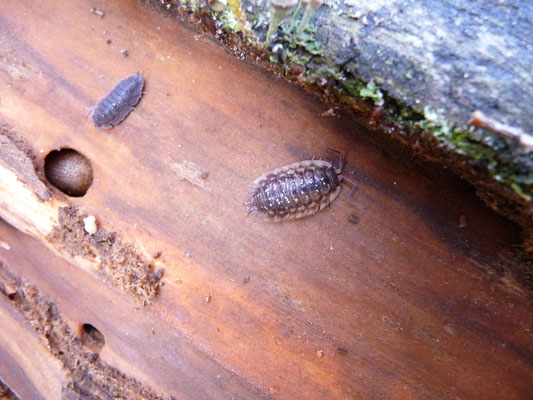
x,y
118,103
296,190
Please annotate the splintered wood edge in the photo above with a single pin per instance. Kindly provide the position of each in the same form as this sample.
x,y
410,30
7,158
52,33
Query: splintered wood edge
x,y
26,203
21,206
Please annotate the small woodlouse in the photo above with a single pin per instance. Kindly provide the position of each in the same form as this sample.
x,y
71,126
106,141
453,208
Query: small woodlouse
x,y
118,103
296,190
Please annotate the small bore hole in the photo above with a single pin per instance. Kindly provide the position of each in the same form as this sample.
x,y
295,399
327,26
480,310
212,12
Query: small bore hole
x,y
92,338
69,171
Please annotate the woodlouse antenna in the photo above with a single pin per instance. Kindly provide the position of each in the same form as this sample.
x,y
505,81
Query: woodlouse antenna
x,y
341,161
353,188
88,112
341,166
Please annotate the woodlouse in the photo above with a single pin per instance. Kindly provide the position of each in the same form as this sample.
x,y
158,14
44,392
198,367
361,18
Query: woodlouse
x,y
296,190
118,103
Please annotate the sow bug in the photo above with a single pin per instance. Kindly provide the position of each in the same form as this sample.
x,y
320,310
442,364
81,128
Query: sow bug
x,y
118,103
296,190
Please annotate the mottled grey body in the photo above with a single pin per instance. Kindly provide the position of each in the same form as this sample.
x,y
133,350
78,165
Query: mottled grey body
x,y
295,190
118,103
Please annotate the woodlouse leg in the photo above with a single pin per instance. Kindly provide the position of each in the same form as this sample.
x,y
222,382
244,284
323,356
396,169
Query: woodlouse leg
x,y
251,208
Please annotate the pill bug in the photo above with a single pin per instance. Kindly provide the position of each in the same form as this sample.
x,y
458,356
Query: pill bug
x,y
296,190
118,103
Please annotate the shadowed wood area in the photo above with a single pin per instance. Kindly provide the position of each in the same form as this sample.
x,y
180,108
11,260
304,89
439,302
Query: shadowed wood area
x,y
404,304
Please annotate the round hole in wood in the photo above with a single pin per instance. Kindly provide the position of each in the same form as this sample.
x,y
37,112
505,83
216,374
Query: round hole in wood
x,y
69,171
92,338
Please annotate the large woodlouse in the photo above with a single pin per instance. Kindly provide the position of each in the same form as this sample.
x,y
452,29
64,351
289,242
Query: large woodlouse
x,y
118,103
296,190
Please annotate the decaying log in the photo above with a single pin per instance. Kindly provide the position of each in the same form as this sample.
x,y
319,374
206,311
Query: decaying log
x,y
415,71
413,289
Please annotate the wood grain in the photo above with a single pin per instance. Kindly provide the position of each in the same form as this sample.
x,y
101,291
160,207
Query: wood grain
x,y
404,304
25,364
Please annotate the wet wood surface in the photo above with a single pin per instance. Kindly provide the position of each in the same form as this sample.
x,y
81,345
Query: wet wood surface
x,y
404,304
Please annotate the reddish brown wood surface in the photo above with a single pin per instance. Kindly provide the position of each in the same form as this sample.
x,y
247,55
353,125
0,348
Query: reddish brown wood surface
x,y
404,304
